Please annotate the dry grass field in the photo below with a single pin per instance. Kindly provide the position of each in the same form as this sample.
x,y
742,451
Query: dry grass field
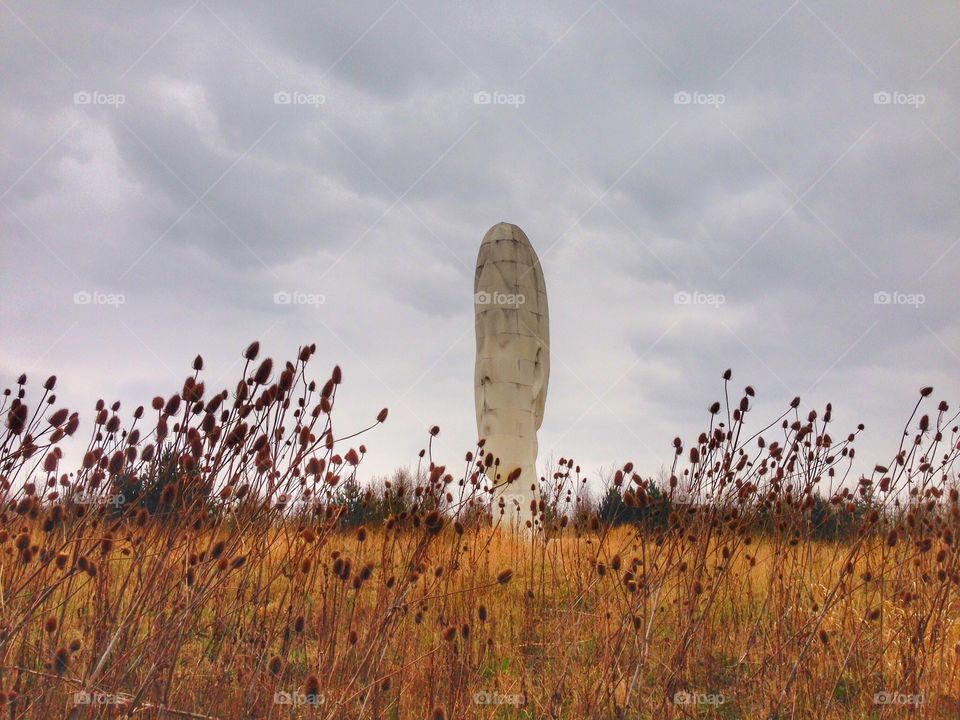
x,y
210,557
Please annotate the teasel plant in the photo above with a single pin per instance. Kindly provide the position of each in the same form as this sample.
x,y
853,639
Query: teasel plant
x,y
219,554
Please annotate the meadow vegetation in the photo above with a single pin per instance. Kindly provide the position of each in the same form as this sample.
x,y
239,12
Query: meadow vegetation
x,y
217,555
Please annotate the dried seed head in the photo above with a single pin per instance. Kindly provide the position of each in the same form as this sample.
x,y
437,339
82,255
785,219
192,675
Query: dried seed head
x,y
17,417
433,522
262,375
311,686
61,659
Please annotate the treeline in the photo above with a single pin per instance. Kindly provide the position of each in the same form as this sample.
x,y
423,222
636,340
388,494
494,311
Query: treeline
x,y
826,521
169,489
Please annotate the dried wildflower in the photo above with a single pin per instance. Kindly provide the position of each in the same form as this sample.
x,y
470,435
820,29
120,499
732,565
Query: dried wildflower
x,y
262,375
17,417
311,686
433,522
61,659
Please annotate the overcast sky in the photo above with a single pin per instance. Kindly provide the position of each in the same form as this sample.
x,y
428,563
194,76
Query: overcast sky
x,y
707,186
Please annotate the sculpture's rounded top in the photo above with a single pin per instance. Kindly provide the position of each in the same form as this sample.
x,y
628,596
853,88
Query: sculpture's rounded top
x,y
505,231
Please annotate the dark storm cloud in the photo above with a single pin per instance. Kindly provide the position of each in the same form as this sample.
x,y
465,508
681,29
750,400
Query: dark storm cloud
x,y
770,188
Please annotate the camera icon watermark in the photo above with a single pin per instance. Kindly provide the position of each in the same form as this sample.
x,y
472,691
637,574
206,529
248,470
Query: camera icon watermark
x,y
897,698
297,698
486,697
688,697
499,298
685,97
684,297
514,100
914,300
295,97
296,297
84,297
888,97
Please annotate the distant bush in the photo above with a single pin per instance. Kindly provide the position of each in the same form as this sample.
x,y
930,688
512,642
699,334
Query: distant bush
x,y
164,488
831,523
653,514
374,503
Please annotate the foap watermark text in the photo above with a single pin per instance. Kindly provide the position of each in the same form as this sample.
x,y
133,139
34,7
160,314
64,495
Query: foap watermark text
x,y
683,297
914,300
284,97
94,499
690,697
84,297
499,298
95,97
514,100
685,97
297,698
297,297
486,697
85,697
885,97
897,698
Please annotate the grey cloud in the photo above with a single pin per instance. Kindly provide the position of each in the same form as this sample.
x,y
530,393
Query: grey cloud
x,y
307,196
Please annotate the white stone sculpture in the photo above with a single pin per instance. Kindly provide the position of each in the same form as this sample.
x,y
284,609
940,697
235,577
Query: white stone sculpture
x,y
513,362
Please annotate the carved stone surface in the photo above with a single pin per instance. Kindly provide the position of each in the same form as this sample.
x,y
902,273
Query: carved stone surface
x,y
513,359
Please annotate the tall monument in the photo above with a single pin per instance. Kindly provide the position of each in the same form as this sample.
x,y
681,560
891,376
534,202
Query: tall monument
x,y
513,361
